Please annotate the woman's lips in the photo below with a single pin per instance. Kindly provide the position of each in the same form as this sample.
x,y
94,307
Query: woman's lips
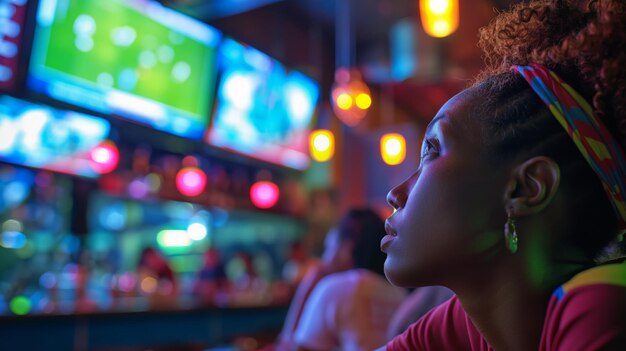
x,y
387,239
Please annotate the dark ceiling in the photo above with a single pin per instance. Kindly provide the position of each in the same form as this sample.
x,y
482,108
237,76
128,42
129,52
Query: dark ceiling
x,y
301,33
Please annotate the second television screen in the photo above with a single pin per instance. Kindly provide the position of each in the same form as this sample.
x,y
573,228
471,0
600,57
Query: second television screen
x,y
262,110
131,58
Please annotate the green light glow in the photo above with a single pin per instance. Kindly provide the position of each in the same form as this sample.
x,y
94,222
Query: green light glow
x,y
173,238
20,305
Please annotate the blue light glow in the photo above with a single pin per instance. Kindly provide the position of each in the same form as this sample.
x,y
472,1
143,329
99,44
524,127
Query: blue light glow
x,y
263,111
13,240
15,192
46,138
70,244
48,280
113,217
15,186
404,55
301,95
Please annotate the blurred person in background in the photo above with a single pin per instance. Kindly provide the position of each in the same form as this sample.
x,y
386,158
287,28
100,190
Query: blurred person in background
x,y
345,302
419,302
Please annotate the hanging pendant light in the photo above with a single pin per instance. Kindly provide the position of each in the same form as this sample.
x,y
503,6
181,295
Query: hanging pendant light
x,y
440,18
322,145
393,148
351,98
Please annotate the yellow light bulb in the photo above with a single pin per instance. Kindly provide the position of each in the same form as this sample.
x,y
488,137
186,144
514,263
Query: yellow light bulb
x,y
344,101
438,7
441,28
440,18
322,145
393,148
363,101
149,285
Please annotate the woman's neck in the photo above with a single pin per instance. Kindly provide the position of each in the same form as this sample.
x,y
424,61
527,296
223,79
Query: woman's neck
x,y
508,303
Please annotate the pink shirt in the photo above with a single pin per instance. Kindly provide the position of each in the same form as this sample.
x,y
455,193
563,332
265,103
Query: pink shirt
x,y
586,313
348,311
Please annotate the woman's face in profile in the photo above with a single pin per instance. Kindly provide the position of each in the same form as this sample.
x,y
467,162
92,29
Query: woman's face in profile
x,y
450,212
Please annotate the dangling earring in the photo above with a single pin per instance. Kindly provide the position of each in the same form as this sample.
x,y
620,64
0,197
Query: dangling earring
x,y
510,235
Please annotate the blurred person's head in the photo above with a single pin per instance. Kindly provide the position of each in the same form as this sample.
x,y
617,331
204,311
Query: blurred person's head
x,y
355,242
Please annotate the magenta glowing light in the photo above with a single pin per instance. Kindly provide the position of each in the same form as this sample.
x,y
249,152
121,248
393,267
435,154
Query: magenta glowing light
x,y
126,282
104,157
138,188
264,194
190,181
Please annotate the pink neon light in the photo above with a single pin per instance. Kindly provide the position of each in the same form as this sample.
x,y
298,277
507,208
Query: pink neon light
x,y
264,194
104,157
190,181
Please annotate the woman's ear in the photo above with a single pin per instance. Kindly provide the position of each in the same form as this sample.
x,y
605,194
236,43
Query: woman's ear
x,y
532,186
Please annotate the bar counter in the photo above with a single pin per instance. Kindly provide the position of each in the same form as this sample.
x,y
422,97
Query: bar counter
x,y
158,328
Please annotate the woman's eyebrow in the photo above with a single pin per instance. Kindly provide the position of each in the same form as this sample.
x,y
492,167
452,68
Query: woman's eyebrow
x,y
434,121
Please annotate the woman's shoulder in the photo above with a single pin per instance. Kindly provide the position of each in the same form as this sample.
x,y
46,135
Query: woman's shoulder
x,y
588,311
353,276
608,274
347,280
339,283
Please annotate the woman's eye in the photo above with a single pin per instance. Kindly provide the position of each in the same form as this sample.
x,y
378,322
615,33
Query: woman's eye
x,y
428,148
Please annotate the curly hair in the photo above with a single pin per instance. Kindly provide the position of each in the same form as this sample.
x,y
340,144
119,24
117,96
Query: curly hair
x,y
585,47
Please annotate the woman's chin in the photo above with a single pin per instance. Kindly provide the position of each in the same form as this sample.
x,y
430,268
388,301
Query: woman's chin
x,y
407,276
396,276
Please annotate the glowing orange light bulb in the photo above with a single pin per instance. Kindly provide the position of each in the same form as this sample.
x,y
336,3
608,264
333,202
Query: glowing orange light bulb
x,y
344,101
363,101
393,148
440,18
322,145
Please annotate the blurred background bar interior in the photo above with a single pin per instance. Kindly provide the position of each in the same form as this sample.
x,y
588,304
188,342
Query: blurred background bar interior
x,y
158,182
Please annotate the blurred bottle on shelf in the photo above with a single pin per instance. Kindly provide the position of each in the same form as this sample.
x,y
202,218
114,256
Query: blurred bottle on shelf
x,y
156,279
210,282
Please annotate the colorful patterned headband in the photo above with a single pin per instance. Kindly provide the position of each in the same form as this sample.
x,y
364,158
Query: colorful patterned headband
x,y
590,135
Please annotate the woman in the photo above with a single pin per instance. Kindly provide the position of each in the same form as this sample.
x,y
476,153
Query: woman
x,y
346,303
554,176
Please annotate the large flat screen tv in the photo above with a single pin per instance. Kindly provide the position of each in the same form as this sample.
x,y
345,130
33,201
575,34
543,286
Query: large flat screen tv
x,y
134,59
41,137
262,110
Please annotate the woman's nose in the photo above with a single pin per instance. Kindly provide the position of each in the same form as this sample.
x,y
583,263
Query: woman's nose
x,y
397,196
